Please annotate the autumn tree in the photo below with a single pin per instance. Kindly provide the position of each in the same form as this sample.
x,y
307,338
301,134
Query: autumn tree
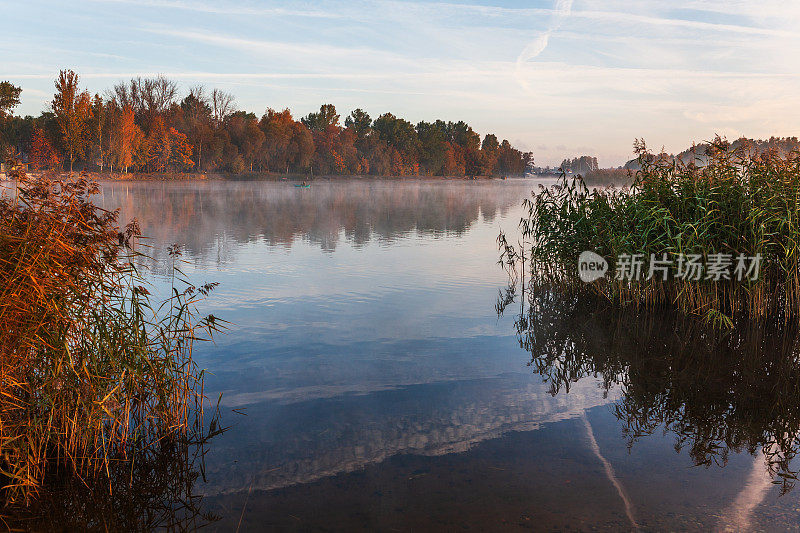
x,y
147,97
246,135
301,146
401,136
126,139
433,146
358,124
327,154
72,109
463,135
141,124
455,162
221,106
97,125
164,149
490,153
348,159
197,119
42,154
279,129
9,98
512,161
156,96
180,151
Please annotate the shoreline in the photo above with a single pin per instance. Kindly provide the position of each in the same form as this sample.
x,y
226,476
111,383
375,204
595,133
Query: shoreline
x,y
268,176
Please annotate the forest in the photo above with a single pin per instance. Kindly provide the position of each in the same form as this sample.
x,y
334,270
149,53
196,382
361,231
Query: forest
x,y
146,125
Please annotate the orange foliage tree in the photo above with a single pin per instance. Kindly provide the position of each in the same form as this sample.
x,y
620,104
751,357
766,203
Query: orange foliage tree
x,y
72,109
42,154
126,139
165,149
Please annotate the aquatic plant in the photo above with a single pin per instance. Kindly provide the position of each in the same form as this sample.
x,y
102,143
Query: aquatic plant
x,y
736,203
91,374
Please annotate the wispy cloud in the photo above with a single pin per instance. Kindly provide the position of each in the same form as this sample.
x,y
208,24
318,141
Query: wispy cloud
x,y
643,20
312,51
224,8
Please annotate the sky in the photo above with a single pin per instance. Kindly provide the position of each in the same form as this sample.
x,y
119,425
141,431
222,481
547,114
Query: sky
x,y
560,78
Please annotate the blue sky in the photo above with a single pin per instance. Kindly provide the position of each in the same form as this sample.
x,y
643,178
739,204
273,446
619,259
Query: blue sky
x,y
558,77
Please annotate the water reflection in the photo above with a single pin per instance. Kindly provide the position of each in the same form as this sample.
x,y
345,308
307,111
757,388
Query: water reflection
x,y
211,218
718,392
382,392
285,445
157,491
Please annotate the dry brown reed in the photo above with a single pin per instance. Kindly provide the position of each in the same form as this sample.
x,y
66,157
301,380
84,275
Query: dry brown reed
x,y
90,373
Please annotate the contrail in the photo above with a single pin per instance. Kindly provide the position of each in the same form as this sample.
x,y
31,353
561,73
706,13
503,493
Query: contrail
x,y
562,10
612,477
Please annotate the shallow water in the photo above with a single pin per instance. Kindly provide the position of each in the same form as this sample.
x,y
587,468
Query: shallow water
x,y
379,389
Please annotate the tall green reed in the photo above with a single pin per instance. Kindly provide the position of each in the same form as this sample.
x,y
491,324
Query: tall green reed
x,y
736,203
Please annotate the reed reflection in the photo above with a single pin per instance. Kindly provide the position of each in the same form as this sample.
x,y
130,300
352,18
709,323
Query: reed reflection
x,y
716,391
157,491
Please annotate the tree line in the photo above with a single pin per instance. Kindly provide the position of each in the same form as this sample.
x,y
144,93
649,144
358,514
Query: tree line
x,y
144,125
583,165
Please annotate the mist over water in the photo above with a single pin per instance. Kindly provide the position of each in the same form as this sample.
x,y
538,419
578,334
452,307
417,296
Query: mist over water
x,y
380,388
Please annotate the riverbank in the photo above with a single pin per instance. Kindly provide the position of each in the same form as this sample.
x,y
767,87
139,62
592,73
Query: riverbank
x,y
258,176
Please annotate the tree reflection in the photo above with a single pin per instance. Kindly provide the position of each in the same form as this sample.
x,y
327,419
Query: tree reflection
x,y
717,391
212,218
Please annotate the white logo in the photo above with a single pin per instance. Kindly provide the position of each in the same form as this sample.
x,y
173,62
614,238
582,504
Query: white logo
x,y
591,266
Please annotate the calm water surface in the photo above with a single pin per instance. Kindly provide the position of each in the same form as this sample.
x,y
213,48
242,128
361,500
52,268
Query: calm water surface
x,y
379,390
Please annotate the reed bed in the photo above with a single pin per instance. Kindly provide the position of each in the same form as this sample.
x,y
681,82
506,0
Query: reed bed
x,y
92,375
737,203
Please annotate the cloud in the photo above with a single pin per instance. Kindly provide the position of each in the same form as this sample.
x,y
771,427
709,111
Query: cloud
x,y
225,8
692,42
539,43
640,20
260,46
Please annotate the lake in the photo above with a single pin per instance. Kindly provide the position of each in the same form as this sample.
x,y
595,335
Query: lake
x,y
371,385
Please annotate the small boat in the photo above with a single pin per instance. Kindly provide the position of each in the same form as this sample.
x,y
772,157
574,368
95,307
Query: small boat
x,y
303,185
